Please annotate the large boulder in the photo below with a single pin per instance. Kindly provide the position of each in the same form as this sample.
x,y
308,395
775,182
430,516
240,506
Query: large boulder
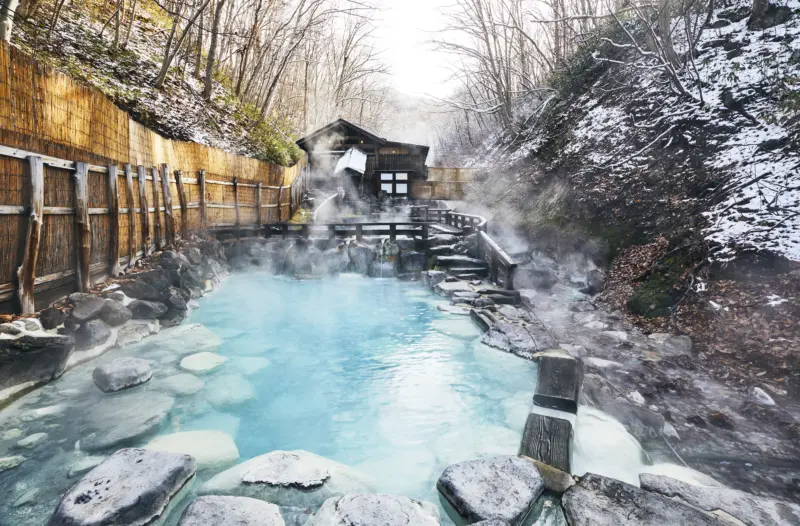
x,y
132,486
602,501
373,510
147,310
412,261
52,317
502,488
751,510
33,359
121,374
519,340
288,478
121,419
90,334
139,290
115,313
238,511
157,278
430,278
210,449
87,308
176,301
362,256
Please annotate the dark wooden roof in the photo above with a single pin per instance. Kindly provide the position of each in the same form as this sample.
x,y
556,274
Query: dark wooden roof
x,y
306,141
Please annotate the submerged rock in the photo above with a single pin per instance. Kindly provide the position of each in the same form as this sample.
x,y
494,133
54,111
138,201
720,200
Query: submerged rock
x,y
83,464
136,331
11,462
122,418
31,441
502,488
121,374
183,384
288,478
229,390
372,510
751,510
601,501
239,511
187,339
132,486
202,362
210,449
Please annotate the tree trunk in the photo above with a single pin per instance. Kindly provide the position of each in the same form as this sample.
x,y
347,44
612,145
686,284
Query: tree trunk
x,y
199,49
212,50
7,13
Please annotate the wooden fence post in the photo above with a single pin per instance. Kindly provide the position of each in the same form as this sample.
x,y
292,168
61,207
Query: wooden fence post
x,y
201,179
169,225
259,223
157,205
280,190
236,202
113,210
182,202
83,229
131,216
26,273
359,232
145,210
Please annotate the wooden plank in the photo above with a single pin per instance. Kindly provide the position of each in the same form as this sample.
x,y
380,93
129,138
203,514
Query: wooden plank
x,y
169,224
203,217
236,200
26,273
259,222
113,206
11,210
559,383
157,210
144,210
83,228
99,211
182,201
547,440
47,160
131,216
278,204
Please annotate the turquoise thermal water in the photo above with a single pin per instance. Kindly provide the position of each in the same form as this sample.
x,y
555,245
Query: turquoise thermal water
x,y
362,372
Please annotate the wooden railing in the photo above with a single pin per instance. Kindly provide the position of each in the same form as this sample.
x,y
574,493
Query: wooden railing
x,y
345,230
468,223
501,266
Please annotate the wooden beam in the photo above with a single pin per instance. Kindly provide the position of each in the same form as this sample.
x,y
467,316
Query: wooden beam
x,y
113,207
559,381
259,221
83,228
144,210
131,216
157,206
547,440
26,273
169,224
201,178
182,201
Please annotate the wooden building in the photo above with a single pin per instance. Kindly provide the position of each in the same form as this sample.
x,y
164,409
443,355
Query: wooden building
x,y
392,167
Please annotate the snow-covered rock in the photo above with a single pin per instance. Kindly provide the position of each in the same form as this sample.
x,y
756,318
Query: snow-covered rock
x,y
122,373
239,511
373,510
202,362
210,449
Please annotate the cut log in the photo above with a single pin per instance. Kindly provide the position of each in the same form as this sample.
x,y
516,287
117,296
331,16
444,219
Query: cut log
x,y
26,274
559,383
113,209
547,440
201,179
83,229
182,202
145,210
157,217
131,216
169,224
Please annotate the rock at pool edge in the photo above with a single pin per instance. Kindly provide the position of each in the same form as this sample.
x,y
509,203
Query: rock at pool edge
x,y
241,511
132,487
122,373
386,510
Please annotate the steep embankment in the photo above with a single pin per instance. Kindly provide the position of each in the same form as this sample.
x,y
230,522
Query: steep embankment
x,y
81,44
695,197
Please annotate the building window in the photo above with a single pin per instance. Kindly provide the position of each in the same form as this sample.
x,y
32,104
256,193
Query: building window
x,y
392,185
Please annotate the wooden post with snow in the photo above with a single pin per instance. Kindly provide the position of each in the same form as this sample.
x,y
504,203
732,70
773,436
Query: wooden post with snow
x,y
201,179
83,229
131,216
113,210
169,225
157,217
144,209
182,202
26,273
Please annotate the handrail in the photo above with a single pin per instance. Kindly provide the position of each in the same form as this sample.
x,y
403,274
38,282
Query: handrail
x,y
467,222
493,254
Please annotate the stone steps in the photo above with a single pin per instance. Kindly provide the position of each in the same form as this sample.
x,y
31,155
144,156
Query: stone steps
x,y
459,262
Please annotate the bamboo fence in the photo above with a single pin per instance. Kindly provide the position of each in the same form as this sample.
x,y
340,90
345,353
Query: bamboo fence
x,y
443,183
85,190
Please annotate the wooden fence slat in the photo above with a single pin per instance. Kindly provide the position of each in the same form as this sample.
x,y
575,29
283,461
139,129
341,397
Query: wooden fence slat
x,y
146,241
182,200
26,273
169,225
280,190
113,206
83,228
131,217
201,178
236,201
157,215
259,222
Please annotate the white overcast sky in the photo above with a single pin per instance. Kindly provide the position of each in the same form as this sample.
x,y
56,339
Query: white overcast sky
x,y
402,33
